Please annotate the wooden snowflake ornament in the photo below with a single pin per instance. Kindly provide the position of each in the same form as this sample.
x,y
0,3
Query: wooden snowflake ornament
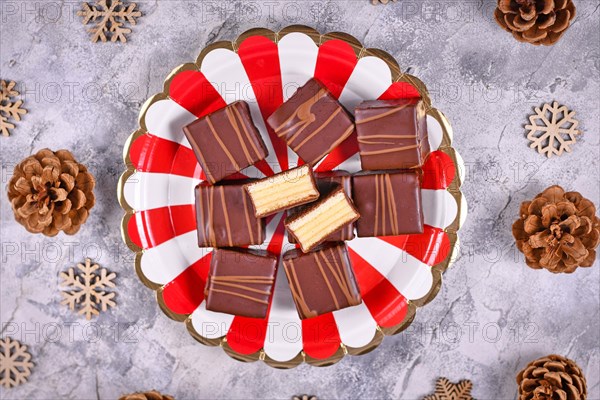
x,y
15,363
87,294
110,17
552,129
9,109
446,390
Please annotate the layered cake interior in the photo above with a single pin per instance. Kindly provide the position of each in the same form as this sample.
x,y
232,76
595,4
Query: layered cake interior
x,y
327,182
328,215
282,191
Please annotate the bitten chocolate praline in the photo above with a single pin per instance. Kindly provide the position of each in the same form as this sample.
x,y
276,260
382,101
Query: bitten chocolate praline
x,y
321,281
327,182
312,122
282,191
226,141
240,282
389,203
324,217
225,217
392,134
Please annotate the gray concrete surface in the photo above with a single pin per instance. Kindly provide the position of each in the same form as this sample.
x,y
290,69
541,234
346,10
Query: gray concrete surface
x,y
493,313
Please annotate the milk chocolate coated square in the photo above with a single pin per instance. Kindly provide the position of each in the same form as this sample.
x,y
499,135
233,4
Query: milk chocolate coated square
x,y
240,282
225,217
321,281
327,182
389,203
312,122
392,134
226,141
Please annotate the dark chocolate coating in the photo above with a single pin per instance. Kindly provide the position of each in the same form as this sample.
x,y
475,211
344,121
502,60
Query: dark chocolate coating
x,y
321,281
226,141
240,282
327,182
392,134
389,203
225,216
312,122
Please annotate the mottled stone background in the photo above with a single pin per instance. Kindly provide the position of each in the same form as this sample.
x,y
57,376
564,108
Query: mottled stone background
x,y
492,315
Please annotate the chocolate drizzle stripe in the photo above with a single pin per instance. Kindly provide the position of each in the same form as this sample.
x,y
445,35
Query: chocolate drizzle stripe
x,y
382,115
336,271
242,287
291,128
371,140
385,151
303,114
376,219
392,205
374,142
236,128
380,198
211,228
387,137
223,147
200,212
327,282
226,217
247,215
337,142
346,281
243,278
239,117
316,131
239,295
296,290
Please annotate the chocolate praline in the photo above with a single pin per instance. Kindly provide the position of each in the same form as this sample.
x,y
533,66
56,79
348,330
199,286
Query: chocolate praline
x,y
226,141
312,122
389,203
327,182
225,217
240,282
392,134
321,281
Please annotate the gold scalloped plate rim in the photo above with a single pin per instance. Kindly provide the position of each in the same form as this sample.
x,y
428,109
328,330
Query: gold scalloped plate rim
x,y
436,270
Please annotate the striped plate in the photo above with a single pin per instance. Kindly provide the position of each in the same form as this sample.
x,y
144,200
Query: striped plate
x,y
396,275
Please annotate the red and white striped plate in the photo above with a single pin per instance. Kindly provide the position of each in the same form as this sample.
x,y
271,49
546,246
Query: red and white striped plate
x,y
396,275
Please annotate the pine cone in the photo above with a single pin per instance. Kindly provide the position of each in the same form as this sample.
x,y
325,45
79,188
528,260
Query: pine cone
x,y
552,378
51,192
151,395
558,231
535,21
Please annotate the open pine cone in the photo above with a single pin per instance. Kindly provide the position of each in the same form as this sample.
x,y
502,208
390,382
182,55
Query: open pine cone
x,y
552,378
152,395
535,21
51,192
558,231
